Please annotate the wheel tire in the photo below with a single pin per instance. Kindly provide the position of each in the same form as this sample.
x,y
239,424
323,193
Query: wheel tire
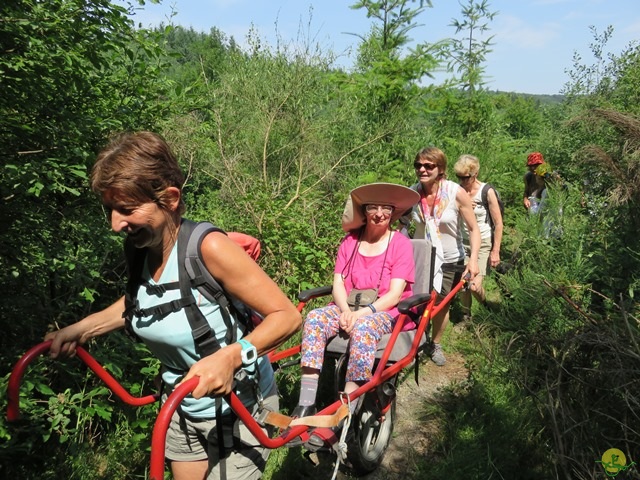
x,y
339,373
369,439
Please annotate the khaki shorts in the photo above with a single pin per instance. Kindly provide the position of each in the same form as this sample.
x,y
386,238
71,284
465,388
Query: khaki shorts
x,y
483,256
450,278
192,440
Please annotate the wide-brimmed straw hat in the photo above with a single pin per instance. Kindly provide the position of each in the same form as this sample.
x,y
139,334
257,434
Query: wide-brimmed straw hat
x,y
399,197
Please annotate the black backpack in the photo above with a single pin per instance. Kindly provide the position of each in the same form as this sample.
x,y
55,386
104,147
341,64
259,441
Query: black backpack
x,y
485,203
192,273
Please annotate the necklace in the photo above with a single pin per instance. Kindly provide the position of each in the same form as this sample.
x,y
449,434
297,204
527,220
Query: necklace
x,y
432,216
429,211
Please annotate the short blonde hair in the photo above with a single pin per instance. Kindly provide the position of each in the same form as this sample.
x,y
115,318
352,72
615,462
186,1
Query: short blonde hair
x,y
467,165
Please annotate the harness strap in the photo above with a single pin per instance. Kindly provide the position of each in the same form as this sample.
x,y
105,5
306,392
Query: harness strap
x,y
221,448
163,309
281,421
203,335
160,288
324,421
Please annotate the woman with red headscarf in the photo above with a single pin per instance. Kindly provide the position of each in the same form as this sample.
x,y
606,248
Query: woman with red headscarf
x,y
534,182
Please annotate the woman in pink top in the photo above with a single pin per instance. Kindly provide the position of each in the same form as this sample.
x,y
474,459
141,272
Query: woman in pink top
x,y
372,255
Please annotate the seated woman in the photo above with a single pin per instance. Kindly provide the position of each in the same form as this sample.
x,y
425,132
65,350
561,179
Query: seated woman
x,y
371,256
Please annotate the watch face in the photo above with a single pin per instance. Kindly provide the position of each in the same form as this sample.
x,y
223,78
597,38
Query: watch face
x,y
249,354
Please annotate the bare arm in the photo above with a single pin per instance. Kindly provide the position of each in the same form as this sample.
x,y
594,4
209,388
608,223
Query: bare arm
x,y
339,293
527,191
465,206
67,339
496,218
246,281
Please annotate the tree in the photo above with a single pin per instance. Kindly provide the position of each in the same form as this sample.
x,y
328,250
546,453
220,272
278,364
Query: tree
x,y
468,55
386,77
589,79
71,73
468,110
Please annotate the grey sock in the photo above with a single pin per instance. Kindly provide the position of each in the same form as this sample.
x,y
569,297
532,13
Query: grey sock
x,y
308,390
354,404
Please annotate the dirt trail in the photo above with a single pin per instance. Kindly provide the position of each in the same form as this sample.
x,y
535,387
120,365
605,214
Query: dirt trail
x,y
412,434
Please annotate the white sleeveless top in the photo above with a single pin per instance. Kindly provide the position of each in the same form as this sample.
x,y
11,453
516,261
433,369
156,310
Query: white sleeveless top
x,y
448,222
482,217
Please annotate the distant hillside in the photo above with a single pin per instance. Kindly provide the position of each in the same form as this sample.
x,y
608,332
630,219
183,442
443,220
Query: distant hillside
x,y
543,99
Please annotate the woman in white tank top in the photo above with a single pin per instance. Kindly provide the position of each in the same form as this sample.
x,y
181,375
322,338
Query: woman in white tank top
x,y
467,168
436,216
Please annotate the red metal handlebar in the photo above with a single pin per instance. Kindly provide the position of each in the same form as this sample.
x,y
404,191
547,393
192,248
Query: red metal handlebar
x,y
164,417
13,389
181,391
161,426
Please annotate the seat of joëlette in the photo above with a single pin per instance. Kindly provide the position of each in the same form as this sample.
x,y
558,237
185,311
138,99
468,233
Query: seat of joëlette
x,y
423,256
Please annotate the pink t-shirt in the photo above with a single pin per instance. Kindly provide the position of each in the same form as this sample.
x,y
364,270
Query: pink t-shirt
x,y
364,272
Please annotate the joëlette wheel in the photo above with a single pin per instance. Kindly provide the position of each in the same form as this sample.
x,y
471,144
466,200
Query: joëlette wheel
x,y
370,436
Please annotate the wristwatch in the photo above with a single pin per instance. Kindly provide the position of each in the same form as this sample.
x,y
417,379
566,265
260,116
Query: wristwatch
x,y
249,353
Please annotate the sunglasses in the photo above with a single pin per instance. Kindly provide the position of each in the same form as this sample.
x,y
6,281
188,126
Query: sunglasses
x,y
426,166
464,177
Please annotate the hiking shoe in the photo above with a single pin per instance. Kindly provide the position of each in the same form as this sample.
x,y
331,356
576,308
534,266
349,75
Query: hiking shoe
x,y
317,441
437,355
304,411
298,412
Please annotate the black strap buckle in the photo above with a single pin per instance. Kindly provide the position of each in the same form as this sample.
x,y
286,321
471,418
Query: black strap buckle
x,y
155,289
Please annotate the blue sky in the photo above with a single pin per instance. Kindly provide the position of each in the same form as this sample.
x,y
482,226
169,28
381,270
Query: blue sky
x,y
534,40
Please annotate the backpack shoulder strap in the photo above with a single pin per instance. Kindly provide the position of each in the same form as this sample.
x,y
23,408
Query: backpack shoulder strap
x,y
234,313
135,263
192,273
484,194
197,271
204,337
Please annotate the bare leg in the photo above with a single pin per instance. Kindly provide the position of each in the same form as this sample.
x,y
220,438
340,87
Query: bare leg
x,y
350,387
439,323
465,300
190,470
477,290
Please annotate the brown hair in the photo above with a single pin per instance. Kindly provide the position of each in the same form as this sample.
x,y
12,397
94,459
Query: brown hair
x,y
140,166
435,155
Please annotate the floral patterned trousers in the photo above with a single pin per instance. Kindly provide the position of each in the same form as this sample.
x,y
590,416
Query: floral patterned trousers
x,y
322,324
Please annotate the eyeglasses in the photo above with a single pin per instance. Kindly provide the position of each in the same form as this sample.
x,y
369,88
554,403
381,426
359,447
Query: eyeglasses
x,y
426,166
464,177
385,209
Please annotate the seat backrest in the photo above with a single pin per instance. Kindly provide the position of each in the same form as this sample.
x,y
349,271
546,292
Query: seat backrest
x,y
424,257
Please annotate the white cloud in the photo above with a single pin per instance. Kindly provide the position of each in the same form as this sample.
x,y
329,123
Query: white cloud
x,y
633,29
518,34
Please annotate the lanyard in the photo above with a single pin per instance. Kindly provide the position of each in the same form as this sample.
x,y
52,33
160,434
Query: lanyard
x,y
433,214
